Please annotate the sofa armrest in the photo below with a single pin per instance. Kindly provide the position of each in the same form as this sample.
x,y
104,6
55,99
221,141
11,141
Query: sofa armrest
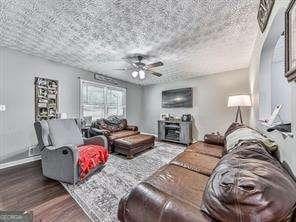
x,y
64,150
132,128
96,132
96,140
215,139
146,203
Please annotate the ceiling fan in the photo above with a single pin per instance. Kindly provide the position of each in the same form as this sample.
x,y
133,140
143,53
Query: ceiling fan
x,y
141,69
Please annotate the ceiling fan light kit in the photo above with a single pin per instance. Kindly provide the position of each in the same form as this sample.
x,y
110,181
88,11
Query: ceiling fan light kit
x,y
141,69
135,74
142,74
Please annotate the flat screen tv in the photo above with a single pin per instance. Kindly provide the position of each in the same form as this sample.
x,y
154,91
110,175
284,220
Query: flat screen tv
x,y
177,98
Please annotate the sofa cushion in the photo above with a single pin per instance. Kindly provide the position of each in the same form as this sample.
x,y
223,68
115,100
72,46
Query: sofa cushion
x,y
134,140
196,162
249,185
208,149
121,134
122,125
179,182
64,132
112,125
115,120
246,133
116,123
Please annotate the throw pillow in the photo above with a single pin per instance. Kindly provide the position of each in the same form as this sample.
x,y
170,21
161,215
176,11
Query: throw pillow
x,y
245,133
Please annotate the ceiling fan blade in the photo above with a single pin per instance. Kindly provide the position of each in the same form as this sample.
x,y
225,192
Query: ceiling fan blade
x,y
131,62
156,64
155,73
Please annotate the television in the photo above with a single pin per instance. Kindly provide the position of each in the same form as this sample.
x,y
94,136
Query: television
x,y
177,98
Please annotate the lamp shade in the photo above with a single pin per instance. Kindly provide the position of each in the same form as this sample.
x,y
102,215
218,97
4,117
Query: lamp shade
x,y
239,100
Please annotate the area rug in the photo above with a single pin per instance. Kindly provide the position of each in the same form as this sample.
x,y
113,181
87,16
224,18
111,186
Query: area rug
x,y
100,194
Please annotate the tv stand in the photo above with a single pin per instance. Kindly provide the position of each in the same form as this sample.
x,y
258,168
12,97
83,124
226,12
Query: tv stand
x,y
175,131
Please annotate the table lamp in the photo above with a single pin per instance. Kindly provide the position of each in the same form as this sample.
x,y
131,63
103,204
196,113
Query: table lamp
x,y
239,101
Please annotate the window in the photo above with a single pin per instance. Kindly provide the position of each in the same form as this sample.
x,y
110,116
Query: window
x,y
100,100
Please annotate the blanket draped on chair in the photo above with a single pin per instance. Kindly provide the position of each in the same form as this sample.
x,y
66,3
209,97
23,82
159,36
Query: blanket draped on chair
x,y
90,156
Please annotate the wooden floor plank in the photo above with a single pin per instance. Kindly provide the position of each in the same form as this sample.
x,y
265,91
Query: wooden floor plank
x,y
24,188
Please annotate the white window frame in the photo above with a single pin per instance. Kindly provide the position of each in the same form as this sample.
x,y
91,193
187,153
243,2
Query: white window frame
x,y
106,87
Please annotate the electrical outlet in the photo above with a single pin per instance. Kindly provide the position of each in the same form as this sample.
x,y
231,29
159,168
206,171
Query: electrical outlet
x,y
2,108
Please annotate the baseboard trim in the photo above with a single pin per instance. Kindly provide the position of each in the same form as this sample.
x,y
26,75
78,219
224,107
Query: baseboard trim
x,y
19,162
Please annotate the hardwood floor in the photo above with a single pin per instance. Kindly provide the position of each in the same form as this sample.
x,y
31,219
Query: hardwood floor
x,y
24,188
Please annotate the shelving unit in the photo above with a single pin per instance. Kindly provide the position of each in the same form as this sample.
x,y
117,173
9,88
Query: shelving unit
x,y
175,131
46,98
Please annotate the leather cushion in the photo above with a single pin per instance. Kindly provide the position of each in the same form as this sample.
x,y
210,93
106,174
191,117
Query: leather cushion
x,y
250,185
121,134
197,162
64,132
208,149
179,182
135,140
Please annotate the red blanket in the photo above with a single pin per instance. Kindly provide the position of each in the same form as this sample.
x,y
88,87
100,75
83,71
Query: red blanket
x,y
91,156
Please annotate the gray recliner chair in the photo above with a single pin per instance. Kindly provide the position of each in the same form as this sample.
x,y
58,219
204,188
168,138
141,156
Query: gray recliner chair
x,y
59,140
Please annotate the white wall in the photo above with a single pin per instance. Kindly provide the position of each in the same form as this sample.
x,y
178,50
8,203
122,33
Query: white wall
x,y
17,72
275,26
280,89
210,95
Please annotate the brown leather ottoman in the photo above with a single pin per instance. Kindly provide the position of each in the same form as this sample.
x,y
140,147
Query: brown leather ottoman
x,y
132,145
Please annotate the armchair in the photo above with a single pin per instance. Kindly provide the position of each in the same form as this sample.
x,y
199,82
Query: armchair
x,y
59,140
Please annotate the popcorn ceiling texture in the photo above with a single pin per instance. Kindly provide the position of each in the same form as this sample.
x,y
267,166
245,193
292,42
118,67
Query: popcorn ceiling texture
x,y
191,37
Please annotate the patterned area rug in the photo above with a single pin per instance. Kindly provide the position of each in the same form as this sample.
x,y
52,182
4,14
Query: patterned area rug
x,y
100,194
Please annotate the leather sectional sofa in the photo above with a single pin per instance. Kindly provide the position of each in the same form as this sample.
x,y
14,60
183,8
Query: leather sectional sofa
x,y
247,184
174,192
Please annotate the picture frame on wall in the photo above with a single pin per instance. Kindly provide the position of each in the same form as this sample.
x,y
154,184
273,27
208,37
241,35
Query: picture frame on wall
x,y
290,36
264,11
46,98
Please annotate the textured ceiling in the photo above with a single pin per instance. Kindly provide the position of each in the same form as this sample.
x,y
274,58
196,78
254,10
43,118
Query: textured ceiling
x,y
191,37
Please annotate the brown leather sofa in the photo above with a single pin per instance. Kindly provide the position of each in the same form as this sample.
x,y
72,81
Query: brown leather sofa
x,y
174,192
199,185
113,128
